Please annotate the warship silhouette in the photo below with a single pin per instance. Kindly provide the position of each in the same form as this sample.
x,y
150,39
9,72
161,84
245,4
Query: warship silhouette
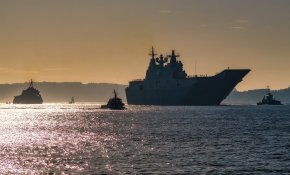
x,y
269,100
72,101
29,96
166,83
114,103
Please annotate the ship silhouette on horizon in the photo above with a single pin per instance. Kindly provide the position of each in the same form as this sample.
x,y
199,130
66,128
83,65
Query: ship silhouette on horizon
x,y
29,96
167,83
269,99
114,103
72,101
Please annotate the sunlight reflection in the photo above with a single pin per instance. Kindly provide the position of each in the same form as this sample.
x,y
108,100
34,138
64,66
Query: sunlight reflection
x,y
51,137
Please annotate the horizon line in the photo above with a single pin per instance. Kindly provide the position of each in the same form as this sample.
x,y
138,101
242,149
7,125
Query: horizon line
x,y
87,83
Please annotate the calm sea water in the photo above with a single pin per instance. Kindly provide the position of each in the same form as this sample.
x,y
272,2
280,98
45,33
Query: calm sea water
x,y
82,139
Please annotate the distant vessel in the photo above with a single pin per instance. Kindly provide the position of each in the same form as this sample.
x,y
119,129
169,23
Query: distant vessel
x,y
29,96
269,100
72,101
166,83
114,103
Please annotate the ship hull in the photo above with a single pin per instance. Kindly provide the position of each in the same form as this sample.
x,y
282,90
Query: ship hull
x,y
194,91
27,100
275,104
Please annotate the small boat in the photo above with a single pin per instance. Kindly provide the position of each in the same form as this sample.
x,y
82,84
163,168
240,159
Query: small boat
x,y
114,103
72,101
269,100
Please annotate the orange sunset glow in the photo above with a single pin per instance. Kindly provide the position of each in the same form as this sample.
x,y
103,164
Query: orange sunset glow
x,y
109,40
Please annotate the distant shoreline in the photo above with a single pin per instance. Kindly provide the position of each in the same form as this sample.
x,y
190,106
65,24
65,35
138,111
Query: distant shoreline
x,y
61,92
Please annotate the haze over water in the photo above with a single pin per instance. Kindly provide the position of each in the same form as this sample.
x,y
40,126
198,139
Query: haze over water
x,y
82,139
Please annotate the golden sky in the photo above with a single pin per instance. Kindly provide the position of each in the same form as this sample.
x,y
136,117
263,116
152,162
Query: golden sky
x,y
109,40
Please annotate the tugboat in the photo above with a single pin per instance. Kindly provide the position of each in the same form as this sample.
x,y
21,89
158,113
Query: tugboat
x,y
114,103
29,96
72,101
269,100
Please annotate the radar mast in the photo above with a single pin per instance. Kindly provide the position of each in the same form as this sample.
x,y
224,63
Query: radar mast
x,y
31,83
152,53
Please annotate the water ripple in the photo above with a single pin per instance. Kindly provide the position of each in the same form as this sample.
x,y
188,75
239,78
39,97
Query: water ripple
x,y
83,139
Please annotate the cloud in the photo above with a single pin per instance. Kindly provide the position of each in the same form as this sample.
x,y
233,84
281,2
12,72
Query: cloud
x,y
240,24
164,11
5,70
55,69
238,27
242,21
17,71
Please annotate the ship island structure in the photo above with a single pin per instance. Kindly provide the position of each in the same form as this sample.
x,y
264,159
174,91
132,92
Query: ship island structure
x,y
167,83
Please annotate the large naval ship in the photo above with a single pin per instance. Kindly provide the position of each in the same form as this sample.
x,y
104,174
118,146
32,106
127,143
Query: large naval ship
x,y
166,83
29,96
